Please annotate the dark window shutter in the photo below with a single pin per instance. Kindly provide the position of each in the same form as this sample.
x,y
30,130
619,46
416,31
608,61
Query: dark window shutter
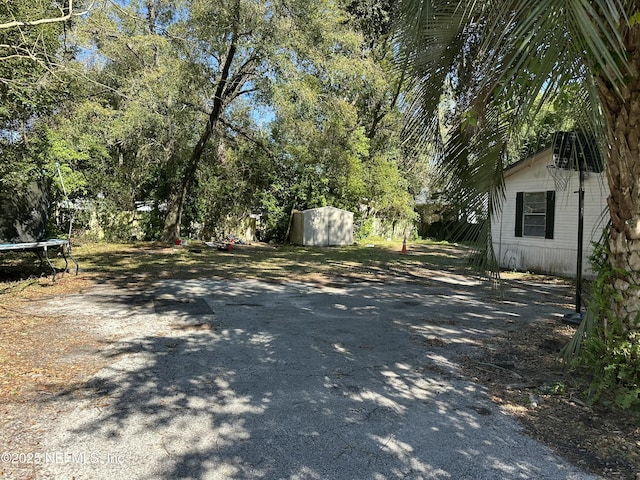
x,y
519,212
550,214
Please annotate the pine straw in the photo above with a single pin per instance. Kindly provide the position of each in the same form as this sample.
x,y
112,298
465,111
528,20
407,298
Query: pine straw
x,y
36,351
524,373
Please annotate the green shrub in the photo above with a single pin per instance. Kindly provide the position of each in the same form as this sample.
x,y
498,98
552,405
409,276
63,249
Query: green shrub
x,y
606,347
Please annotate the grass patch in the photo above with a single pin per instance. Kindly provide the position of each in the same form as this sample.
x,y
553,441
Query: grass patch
x,y
144,261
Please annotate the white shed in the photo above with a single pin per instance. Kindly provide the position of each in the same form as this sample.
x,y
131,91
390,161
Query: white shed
x,y
537,229
322,227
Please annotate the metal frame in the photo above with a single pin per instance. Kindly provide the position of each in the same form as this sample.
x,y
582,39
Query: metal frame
x,y
43,247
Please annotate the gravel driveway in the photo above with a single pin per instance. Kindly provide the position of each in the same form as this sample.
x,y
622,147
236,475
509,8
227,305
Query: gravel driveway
x,y
219,379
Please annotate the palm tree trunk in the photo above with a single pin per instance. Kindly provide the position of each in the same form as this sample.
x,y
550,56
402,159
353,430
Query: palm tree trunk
x,y
622,111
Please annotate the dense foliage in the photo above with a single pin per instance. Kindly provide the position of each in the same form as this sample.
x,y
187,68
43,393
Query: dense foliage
x,y
166,123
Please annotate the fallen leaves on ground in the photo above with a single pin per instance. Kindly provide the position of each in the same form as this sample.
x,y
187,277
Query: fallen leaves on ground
x,y
525,374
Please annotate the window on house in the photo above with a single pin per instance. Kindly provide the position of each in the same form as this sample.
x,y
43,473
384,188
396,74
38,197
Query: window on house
x,y
535,210
535,213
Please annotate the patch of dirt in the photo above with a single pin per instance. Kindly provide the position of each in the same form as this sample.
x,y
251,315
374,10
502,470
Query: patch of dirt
x,y
525,374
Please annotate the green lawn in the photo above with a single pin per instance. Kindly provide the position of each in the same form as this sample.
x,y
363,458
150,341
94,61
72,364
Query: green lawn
x,y
144,261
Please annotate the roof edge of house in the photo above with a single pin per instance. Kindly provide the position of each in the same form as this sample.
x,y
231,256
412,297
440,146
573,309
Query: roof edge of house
x,y
525,162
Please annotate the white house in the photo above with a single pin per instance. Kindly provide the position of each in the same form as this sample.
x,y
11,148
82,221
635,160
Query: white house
x,y
322,227
537,229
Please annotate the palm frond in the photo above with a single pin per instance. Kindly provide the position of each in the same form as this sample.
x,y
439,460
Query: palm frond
x,y
482,70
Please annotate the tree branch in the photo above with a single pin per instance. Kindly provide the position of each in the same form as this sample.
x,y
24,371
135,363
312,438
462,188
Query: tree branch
x,y
246,135
42,21
239,93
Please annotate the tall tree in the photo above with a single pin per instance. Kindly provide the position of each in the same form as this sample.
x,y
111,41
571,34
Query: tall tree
x,y
378,97
216,53
29,85
134,100
394,172
248,45
489,62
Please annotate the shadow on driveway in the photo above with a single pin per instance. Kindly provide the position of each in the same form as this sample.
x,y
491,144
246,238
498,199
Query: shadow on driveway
x,y
222,379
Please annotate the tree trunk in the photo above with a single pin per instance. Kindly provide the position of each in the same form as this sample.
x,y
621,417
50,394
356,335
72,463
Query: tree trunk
x,y
179,192
622,111
176,200
173,218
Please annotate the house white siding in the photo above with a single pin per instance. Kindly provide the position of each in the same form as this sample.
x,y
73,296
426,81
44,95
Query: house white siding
x,y
557,256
